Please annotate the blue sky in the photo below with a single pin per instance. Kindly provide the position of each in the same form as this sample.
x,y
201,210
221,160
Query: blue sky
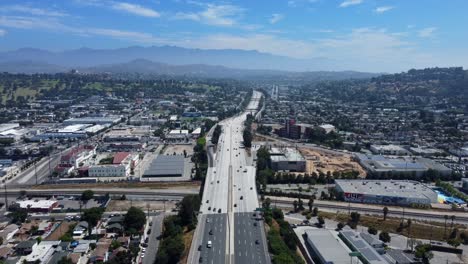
x,y
366,35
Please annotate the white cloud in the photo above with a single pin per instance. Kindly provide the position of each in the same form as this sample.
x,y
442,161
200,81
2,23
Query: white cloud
x,y
216,15
427,32
347,3
2,32
275,18
32,11
50,24
383,9
135,9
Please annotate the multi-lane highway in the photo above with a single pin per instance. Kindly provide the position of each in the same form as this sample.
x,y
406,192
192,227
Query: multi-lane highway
x,y
229,202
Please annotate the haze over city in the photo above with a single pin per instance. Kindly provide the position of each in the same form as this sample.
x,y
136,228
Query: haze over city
x,y
233,132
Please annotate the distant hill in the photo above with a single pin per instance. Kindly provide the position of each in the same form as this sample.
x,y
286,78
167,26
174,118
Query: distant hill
x,y
149,68
431,81
144,68
232,58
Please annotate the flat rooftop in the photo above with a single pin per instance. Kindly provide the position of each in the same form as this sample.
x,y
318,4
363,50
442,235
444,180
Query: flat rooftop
x,y
328,246
285,154
166,166
382,163
359,244
408,189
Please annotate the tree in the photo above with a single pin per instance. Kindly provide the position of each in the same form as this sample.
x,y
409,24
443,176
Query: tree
x,y
188,207
92,217
454,242
385,212
310,203
320,221
372,230
339,226
315,211
135,219
266,204
87,195
424,252
300,204
384,237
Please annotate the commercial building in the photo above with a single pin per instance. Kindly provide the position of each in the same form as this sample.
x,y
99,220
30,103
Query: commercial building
x,y
43,206
388,150
287,159
384,166
325,247
389,192
122,165
96,120
177,135
328,128
165,166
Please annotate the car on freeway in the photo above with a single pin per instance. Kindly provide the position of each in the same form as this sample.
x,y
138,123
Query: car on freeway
x,y
199,247
257,242
209,208
219,210
211,232
242,197
209,244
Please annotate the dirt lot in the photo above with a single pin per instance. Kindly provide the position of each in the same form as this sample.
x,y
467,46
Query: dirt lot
x,y
116,205
59,231
325,161
178,149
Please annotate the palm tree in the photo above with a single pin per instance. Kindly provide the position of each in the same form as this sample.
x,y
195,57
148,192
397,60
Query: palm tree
x,y
295,205
452,217
385,212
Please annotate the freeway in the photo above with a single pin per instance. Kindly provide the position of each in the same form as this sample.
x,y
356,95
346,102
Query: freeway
x,y
229,193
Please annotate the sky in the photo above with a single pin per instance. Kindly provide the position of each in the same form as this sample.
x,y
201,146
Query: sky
x,y
365,35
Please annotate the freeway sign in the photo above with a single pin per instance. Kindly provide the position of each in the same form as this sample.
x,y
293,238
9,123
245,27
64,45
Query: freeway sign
x,y
355,254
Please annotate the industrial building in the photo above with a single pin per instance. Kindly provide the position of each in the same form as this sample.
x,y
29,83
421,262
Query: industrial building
x,y
367,253
165,166
39,206
98,120
388,150
380,165
389,192
325,247
287,159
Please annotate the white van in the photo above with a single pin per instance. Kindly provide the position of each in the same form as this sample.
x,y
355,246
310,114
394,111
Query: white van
x,y
209,244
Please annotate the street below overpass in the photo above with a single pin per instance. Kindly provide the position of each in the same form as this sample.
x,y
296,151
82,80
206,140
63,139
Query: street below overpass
x,y
371,209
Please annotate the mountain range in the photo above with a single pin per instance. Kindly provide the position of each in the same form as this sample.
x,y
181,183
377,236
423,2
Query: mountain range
x,y
170,60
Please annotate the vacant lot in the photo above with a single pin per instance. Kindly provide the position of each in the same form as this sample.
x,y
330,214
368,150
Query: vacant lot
x,y
326,161
178,149
59,231
117,205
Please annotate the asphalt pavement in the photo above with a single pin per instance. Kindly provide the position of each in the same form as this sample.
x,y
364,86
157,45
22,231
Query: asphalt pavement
x,y
249,240
214,231
153,241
